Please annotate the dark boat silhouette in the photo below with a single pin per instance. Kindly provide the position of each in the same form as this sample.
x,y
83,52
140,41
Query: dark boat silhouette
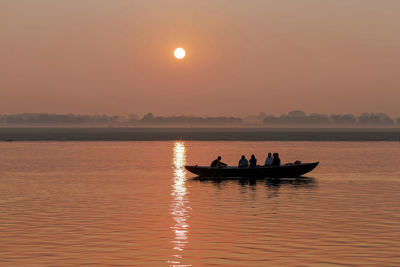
x,y
283,171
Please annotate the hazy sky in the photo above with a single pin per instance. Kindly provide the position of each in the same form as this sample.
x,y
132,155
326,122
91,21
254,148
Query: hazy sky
x,y
243,57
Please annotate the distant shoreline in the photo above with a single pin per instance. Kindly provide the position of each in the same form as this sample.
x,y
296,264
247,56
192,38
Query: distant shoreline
x,y
198,134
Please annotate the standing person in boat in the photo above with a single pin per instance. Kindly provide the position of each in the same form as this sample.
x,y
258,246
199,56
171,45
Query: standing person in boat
x,y
276,160
268,161
218,164
253,161
243,162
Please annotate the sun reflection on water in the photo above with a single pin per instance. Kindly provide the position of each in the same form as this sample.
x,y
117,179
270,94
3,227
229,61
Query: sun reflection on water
x,y
180,205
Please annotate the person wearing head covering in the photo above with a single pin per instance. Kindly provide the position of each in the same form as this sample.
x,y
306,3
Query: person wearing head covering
x,y
276,161
243,162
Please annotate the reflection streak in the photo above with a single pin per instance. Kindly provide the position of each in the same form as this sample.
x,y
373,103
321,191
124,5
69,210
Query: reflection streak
x,y
180,205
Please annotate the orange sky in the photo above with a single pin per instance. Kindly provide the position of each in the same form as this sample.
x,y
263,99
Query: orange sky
x,y
243,57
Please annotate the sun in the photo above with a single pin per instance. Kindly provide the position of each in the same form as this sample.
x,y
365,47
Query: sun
x,y
179,53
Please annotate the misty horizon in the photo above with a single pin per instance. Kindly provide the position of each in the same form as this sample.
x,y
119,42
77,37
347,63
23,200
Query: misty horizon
x,y
293,118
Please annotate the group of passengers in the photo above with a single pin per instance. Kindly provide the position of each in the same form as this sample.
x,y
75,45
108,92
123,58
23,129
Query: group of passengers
x,y
272,160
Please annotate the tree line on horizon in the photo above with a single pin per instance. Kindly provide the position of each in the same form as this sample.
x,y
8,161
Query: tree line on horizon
x,y
295,118
300,117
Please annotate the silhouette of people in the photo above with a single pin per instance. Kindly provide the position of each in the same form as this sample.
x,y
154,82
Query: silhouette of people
x,y
276,161
243,162
217,163
268,161
253,161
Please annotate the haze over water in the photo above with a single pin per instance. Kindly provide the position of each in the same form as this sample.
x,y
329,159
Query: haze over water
x,y
243,57
133,204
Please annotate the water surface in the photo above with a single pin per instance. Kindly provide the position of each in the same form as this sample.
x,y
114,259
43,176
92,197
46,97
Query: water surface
x,y
133,204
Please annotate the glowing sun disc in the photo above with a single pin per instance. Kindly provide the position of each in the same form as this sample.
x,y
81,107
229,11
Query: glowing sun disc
x,y
179,53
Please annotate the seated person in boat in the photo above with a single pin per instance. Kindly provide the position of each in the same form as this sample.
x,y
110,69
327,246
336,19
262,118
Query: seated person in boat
x,y
243,162
253,161
276,161
217,163
268,161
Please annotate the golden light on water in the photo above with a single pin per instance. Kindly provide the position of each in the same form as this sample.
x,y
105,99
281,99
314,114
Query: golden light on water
x,y
180,205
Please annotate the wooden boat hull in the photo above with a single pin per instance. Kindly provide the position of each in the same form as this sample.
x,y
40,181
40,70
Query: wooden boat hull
x,y
284,171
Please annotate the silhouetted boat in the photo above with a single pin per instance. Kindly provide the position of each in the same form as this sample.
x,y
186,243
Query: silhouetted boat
x,y
259,172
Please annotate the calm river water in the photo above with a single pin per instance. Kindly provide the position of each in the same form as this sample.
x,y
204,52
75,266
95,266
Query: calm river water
x,y
133,204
